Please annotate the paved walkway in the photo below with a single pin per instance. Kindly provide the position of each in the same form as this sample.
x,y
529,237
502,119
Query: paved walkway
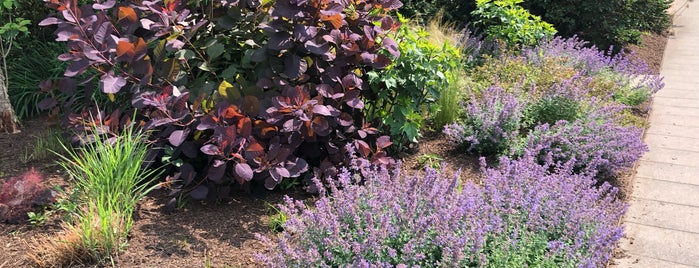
x,y
662,224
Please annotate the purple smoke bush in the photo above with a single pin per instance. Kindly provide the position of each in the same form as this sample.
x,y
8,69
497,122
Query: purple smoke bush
x,y
394,219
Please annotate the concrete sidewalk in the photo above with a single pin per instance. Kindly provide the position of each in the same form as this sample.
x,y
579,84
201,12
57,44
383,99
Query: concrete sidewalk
x,y
662,224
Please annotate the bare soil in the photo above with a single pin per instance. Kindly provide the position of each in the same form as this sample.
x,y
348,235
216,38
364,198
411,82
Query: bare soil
x,y
211,235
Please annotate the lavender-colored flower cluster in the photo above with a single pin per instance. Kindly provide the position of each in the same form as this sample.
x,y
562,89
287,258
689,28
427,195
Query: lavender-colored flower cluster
x,y
577,118
523,215
630,72
492,121
602,148
578,218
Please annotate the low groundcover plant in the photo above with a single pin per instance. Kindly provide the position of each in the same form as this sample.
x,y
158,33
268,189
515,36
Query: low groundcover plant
x,y
524,214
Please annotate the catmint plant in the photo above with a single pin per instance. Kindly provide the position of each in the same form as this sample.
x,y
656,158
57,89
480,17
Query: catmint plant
x,y
491,122
524,214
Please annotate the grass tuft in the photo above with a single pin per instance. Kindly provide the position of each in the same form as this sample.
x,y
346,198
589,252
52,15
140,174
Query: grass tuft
x,y
109,179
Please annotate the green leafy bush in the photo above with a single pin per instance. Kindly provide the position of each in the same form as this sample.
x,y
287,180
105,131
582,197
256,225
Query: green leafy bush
x,y
458,12
415,79
507,21
551,109
604,23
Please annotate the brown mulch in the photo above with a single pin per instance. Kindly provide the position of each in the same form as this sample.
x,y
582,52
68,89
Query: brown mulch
x,y
212,235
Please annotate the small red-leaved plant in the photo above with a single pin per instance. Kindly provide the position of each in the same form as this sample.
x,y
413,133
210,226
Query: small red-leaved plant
x,y
22,194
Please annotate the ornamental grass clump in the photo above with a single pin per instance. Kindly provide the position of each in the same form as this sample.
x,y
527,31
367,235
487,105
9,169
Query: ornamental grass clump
x,y
110,178
523,215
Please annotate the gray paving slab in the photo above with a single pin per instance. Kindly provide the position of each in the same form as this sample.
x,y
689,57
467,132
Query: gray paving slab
x,y
636,261
668,172
655,243
664,215
672,156
666,191
671,142
680,102
680,120
673,130
673,110
676,94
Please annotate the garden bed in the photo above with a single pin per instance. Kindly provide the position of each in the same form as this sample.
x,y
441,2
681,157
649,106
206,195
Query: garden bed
x,y
212,235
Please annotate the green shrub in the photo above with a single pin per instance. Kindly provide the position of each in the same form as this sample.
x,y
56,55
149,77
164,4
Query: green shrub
x,y
423,11
109,178
605,23
509,71
551,109
414,80
507,21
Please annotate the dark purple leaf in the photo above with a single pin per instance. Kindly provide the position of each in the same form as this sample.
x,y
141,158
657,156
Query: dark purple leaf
x,y
294,66
368,58
77,67
282,171
321,126
351,81
258,55
304,33
362,133
174,45
280,41
369,32
332,9
383,142
200,192
106,5
217,170
296,167
316,48
189,149
391,4
187,173
206,122
67,56
64,35
103,31
387,23
111,84
362,147
381,61
321,110
94,56
352,99
49,21
47,103
210,149
391,46
244,171
345,120
270,183
177,137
